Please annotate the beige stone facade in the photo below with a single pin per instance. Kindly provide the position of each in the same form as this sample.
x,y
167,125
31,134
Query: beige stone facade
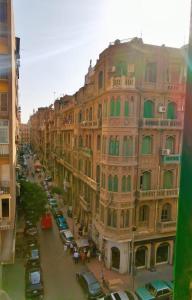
x,y
115,148
24,134
9,133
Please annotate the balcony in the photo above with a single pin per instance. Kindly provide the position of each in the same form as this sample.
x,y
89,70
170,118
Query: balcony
x,y
5,224
157,194
4,149
171,159
120,122
85,204
122,82
91,124
86,151
161,124
4,187
166,226
175,87
119,160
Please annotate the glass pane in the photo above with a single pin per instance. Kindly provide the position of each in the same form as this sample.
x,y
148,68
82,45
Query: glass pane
x,y
147,145
148,109
171,111
126,109
118,107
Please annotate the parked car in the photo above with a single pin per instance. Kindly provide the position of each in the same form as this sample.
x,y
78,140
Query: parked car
x,y
157,289
170,283
46,221
33,283
121,295
143,294
33,253
61,223
89,284
56,212
66,236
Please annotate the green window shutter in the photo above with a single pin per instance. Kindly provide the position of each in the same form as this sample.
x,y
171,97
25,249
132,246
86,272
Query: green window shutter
x,y
146,184
123,184
170,141
121,69
168,180
115,184
113,147
110,188
148,109
118,107
126,109
147,145
171,111
130,146
128,183
116,147
112,107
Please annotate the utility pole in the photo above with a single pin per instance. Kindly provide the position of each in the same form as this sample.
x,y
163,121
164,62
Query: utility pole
x,y
183,254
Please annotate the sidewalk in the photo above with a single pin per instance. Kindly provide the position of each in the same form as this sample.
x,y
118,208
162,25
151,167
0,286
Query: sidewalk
x,y
164,272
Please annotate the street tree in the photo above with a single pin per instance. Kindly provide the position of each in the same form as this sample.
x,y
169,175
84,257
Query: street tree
x,y
33,200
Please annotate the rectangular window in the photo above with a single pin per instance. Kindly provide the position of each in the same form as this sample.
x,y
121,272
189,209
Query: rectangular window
x,y
5,208
151,72
4,132
3,11
5,65
4,102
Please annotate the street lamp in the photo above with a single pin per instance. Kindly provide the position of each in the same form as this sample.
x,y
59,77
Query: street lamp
x,y
133,270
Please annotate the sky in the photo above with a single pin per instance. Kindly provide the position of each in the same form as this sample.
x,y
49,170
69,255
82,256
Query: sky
x,y
58,39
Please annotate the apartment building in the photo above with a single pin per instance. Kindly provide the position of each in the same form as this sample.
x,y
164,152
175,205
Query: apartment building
x,y
9,133
24,134
115,148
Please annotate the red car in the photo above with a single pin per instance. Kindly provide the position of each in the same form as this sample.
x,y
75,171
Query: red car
x,y
46,221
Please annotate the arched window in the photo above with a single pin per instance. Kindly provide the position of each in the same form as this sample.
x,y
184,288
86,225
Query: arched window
x,y
98,174
116,146
128,183
115,183
170,144
80,141
100,80
90,114
127,146
171,111
110,183
147,145
144,215
98,142
118,107
166,212
162,254
114,221
145,181
105,109
148,109
112,107
109,217
123,184
141,257
121,68
126,108
168,179
104,144
124,218
80,116
103,180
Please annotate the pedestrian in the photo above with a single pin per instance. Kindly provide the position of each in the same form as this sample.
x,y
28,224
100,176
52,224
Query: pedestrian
x,y
76,257
82,255
65,248
88,255
71,248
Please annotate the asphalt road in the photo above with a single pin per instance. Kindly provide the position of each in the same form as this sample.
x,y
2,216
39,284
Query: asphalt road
x,y
58,268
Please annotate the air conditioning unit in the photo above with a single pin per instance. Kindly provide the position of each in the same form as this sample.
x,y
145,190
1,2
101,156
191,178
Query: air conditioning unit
x,y
162,109
165,151
112,69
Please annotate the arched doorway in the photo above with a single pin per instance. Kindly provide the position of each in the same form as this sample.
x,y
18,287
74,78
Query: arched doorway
x,y
162,254
115,258
141,257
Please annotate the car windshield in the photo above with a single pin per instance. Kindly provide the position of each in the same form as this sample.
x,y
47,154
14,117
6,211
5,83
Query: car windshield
x,y
35,277
95,286
151,289
116,296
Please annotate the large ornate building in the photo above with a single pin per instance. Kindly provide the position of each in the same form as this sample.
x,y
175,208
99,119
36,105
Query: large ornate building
x,y
115,148
9,133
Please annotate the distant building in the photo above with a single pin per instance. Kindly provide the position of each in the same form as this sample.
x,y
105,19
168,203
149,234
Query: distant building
x,y
9,132
24,134
115,148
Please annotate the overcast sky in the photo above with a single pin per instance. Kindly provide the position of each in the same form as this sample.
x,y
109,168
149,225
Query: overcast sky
x,y
58,38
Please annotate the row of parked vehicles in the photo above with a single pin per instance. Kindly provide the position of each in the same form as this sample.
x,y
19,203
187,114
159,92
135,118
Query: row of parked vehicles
x,y
33,274
157,289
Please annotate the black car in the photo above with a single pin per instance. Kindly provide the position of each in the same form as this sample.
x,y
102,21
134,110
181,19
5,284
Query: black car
x,y
90,284
33,283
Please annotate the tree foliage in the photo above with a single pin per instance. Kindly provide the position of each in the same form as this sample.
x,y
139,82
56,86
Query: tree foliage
x,y
33,200
57,190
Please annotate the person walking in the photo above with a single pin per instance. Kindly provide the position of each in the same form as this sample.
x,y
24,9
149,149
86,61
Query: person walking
x,y
71,248
88,255
76,256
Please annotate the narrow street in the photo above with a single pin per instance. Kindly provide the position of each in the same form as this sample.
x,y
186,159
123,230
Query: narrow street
x,y
58,269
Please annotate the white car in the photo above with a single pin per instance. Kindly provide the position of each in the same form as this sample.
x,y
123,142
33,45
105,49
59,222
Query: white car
x,y
121,295
66,236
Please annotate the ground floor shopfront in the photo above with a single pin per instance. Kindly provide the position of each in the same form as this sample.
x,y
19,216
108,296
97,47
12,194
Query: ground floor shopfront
x,y
118,255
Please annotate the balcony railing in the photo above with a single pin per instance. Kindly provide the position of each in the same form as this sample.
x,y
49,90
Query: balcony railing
x,y
116,160
171,159
85,204
160,123
6,224
157,194
4,149
86,151
91,124
166,226
4,187
123,82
